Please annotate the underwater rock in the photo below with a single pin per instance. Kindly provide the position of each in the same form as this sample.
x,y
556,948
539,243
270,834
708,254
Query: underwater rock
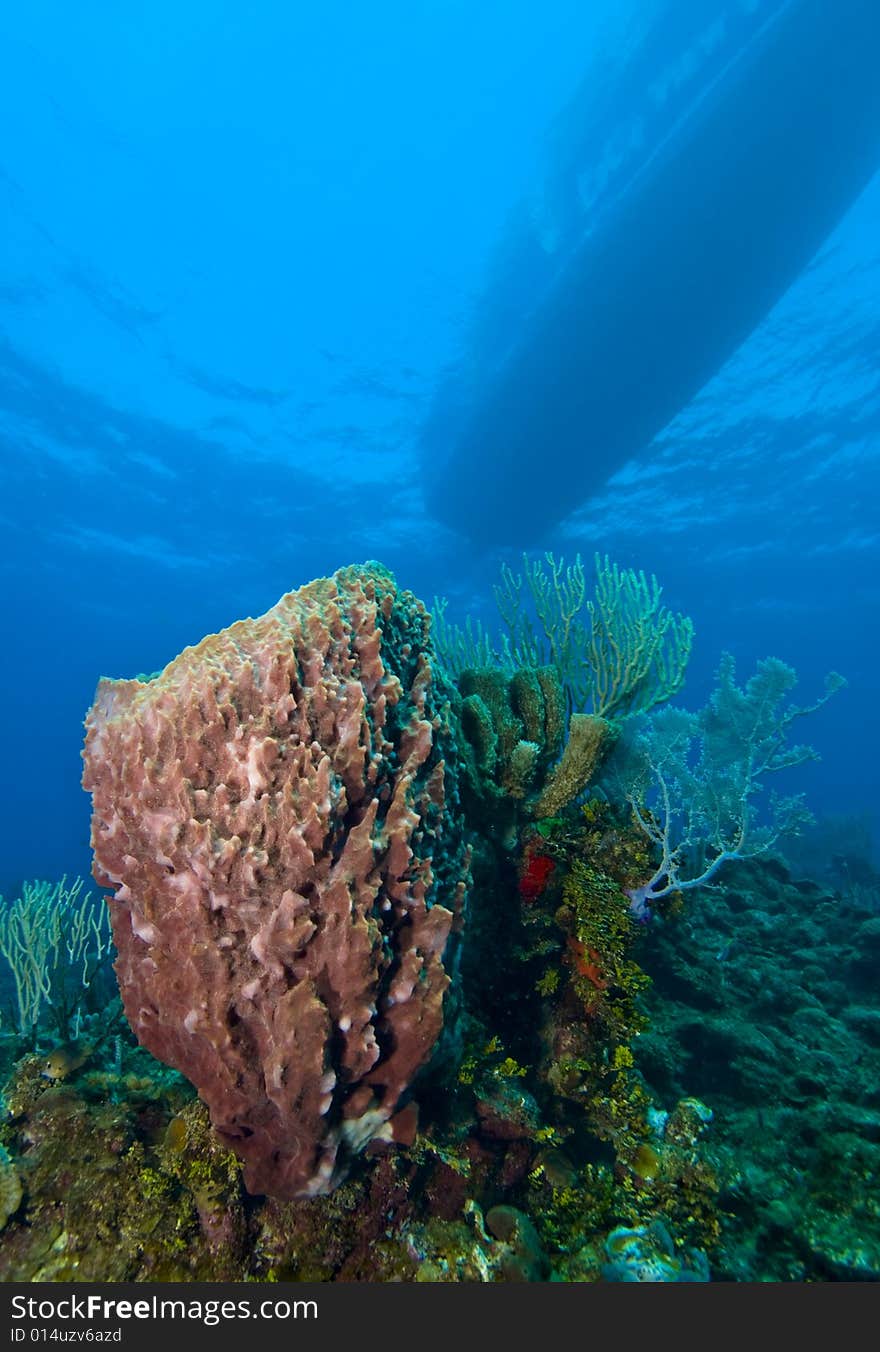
x,y
506,1111
788,1060
502,1247
10,1188
278,814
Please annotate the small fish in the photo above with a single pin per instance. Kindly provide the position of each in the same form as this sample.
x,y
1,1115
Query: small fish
x,y
63,1061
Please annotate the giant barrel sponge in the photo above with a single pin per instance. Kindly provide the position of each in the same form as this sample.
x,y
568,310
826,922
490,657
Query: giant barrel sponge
x,y
277,815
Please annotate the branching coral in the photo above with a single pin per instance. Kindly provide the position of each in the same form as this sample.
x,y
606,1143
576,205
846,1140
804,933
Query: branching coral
x,y
607,657
618,652
638,650
691,778
54,939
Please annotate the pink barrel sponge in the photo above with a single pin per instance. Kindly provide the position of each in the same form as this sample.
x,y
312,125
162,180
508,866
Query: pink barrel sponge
x,y
277,813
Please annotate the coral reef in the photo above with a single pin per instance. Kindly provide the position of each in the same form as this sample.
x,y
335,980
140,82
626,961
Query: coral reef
x,y
765,1003
10,1187
617,653
277,813
112,1171
118,1176
512,734
291,816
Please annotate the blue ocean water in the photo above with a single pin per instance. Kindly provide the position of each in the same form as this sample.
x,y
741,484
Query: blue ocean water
x,y
239,252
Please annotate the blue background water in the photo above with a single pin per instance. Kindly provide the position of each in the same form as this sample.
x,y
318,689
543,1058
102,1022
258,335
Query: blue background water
x,y
238,250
